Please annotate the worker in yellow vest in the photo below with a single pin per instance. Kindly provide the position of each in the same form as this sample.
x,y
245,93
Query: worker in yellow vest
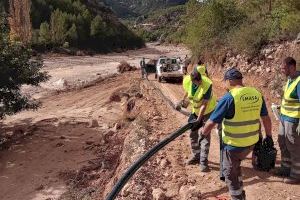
x,y
200,67
199,92
289,130
239,111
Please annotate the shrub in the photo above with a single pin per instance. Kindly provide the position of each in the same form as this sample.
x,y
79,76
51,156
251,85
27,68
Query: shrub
x,y
17,67
211,24
249,38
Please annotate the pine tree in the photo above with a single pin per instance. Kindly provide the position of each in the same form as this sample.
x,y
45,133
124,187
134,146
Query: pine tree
x,y
72,33
98,26
58,27
44,33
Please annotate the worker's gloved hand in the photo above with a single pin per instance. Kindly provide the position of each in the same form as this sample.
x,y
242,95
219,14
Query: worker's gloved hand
x,y
257,146
185,103
298,129
268,141
178,105
196,124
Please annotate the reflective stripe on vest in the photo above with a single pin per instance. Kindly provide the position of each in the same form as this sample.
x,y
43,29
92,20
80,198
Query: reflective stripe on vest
x,y
243,129
202,70
196,99
290,107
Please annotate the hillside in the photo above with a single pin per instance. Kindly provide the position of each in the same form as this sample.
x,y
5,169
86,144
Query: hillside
x,y
138,7
72,24
165,25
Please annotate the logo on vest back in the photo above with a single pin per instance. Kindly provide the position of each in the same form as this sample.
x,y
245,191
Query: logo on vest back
x,y
249,98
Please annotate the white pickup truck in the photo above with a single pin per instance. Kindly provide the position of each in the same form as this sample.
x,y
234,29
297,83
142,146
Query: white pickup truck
x,y
168,68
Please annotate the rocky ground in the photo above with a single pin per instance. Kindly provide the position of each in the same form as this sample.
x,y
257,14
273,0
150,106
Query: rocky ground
x,y
78,144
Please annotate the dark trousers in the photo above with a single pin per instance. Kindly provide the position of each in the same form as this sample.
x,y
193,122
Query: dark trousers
x,y
200,149
232,171
144,73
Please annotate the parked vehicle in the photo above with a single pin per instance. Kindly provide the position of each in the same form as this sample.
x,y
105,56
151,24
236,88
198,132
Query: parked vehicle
x,y
168,68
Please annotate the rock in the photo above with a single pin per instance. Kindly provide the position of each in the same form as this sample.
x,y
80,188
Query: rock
x,y
89,142
60,84
270,57
298,39
108,134
268,51
176,176
158,194
259,70
59,144
281,47
164,163
79,53
93,123
115,97
40,187
189,193
116,127
142,192
261,62
124,67
166,174
156,118
268,69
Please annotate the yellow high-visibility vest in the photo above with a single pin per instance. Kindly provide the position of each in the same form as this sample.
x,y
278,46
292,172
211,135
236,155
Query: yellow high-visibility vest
x,y
289,106
196,99
202,70
243,129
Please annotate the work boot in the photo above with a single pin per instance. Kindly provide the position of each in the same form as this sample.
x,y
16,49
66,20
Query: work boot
x,y
239,197
195,160
291,181
282,172
204,168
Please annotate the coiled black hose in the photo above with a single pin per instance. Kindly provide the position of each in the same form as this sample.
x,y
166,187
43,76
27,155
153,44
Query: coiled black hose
x,y
129,173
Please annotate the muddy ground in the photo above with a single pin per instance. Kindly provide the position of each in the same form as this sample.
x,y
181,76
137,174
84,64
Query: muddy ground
x,y
81,140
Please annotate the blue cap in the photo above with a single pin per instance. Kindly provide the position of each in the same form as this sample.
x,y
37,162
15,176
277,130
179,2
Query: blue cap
x,y
233,74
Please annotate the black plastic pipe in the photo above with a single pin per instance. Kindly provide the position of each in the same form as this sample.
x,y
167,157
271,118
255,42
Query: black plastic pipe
x,y
130,172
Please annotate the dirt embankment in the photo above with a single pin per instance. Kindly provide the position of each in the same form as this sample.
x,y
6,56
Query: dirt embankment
x,y
72,144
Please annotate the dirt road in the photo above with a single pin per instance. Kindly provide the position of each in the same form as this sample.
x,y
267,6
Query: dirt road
x,y
80,142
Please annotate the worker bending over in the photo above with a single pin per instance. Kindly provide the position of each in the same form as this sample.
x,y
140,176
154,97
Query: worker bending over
x,y
199,92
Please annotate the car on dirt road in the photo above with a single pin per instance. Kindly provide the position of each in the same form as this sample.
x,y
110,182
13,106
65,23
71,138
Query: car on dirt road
x,y
169,68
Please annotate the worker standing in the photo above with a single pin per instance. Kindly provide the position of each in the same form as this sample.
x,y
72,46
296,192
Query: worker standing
x,y
239,111
143,69
289,130
199,92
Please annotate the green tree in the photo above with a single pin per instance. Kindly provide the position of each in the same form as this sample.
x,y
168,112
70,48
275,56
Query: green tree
x,y
98,26
72,33
210,26
44,33
17,67
58,27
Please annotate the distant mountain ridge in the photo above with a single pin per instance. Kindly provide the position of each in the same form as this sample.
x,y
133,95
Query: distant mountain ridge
x,y
135,8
